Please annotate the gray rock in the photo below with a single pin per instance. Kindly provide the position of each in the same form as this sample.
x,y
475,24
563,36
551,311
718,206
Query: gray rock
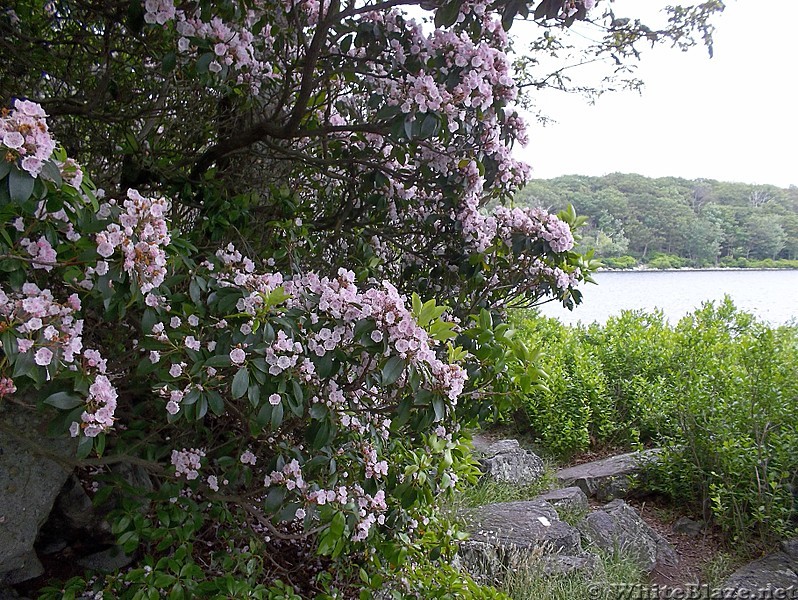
x,y
74,506
586,564
518,535
790,548
480,442
32,471
72,519
523,525
687,526
7,593
608,478
776,571
107,561
30,568
571,499
619,528
507,462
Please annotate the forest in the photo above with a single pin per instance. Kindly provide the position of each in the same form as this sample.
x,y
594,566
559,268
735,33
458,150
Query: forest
x,y
671,222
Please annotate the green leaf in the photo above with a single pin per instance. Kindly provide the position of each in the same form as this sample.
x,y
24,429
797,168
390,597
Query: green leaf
x,y
169,63
215,402
220,360
51,171
240,383
392,370
20,185
253,394
277,416
446,15
324,366
64,400
84,446
5,168
203,62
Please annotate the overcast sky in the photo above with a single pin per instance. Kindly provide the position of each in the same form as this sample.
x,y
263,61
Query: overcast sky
x,y
733,117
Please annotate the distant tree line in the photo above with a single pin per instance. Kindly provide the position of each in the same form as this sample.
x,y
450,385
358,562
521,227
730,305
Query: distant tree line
x,y
672,222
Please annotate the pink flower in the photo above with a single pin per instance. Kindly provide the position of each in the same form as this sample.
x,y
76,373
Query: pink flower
x,y
43,357
7,386
238,356
248,458
275,399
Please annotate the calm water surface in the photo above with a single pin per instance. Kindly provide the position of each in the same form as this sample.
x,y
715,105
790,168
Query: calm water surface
x,y
771,295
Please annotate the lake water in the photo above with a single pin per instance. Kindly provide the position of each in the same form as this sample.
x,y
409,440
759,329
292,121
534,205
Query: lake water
x,y
770,295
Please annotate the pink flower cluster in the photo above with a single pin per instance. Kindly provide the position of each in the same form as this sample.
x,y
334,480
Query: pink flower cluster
x,y
49,329
71,173
101,405
24,136
159,12
142,235
42,253
233,46
7,386
45,324
369,508
187,462
283,354
535,223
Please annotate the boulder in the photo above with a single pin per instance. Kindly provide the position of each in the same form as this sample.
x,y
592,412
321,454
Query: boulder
x,y
608,478
106,561
776,571
33,469
570,499
618,528
687,526
507,462
521,535
72,520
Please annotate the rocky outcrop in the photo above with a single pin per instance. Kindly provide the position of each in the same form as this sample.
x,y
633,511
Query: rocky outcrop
x,y
571,499
507,462
618,528
609,478
33,469
514,535
776,571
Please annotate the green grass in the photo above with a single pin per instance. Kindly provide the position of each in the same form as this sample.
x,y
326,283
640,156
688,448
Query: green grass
x,y
529,584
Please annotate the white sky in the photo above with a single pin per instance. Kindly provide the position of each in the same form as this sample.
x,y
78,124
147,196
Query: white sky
x,y
733,117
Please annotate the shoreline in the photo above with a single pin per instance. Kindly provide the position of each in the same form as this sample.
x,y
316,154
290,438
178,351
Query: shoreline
x,y
643,268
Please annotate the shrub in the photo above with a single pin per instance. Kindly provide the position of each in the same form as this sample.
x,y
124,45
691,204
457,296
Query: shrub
x,y
619,262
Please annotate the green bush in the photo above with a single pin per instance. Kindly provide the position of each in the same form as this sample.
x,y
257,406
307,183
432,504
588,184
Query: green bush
x,y
620,262
718,390
667,261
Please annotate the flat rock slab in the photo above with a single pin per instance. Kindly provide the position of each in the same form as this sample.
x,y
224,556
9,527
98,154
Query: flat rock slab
x,y
570,499
507,462
776,571
512,535
31,477
523,525
608,478
618,528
